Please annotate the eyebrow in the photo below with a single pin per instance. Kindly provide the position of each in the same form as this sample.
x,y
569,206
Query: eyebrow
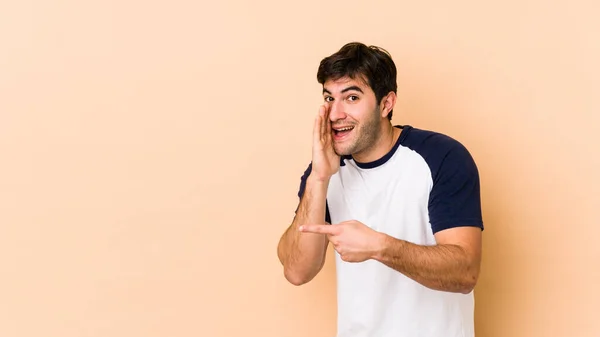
x,y
354,87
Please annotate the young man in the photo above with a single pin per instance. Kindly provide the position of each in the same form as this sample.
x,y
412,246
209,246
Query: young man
x,y
400,206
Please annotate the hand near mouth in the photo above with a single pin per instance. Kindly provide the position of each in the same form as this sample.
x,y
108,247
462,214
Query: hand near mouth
x,y
325,161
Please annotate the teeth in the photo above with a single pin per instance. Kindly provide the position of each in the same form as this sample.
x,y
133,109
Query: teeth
x,y
346,129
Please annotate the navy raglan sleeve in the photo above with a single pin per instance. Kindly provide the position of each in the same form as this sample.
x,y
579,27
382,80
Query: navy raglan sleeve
x,y
455,196
303,187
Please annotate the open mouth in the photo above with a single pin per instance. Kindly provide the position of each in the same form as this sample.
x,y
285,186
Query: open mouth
x,y
342,132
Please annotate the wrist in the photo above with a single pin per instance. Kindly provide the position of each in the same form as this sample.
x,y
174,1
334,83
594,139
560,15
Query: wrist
x,y
383,244
314,179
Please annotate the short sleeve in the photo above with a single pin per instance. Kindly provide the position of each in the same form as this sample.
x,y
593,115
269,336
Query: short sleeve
x,y
455,196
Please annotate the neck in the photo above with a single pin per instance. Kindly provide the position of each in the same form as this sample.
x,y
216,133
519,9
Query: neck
x,y
384,143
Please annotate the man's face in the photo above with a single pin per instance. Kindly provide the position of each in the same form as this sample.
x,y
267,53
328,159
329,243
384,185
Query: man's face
x,y
354,115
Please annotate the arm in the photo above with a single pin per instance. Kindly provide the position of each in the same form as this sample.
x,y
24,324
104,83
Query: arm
x,y
451,265
303,254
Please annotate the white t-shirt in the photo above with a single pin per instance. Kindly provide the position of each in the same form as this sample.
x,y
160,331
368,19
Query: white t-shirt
x,y
428,182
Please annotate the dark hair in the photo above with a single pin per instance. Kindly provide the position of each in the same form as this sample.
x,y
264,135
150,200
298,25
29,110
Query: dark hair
x,y
355,60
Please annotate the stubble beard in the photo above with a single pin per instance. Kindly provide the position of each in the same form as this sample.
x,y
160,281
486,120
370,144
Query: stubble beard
x,y
365,136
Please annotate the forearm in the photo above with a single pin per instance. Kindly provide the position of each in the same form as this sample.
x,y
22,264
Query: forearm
x,y
303,254
440,267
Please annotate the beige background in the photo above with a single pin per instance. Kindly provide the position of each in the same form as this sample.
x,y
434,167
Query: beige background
x,y
151,155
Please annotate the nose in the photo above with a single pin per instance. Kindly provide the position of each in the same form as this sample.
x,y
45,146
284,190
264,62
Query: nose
x,y
336,111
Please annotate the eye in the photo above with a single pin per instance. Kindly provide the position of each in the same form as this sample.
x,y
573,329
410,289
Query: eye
x,y
353,98
328,98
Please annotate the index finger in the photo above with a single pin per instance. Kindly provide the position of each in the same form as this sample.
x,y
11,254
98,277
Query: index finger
x,y
318,229
326,125
318,127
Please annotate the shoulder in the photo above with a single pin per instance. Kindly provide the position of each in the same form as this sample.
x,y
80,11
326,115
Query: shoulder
x,y
440,151
455,195
429,143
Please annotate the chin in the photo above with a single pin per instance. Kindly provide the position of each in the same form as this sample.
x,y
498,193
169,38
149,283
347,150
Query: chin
x,y
342,151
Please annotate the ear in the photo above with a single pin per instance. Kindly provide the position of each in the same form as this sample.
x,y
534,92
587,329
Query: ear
x,y
387,104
